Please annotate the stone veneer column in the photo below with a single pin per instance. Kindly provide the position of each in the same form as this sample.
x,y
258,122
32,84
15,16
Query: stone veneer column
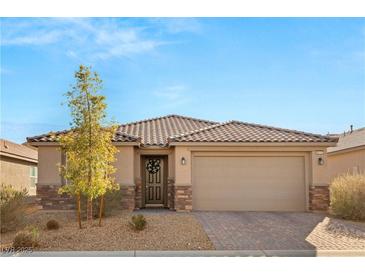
x,y
171,194
183,198
48,198
138,194
319,198
128,197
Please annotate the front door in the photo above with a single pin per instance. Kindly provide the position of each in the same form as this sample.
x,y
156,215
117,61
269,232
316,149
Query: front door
x,y
154,181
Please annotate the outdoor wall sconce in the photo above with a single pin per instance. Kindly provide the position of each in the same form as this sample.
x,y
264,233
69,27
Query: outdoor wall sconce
x,y
183,161
320,161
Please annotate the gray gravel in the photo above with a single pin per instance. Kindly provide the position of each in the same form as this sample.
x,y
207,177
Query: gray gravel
x,y
163,232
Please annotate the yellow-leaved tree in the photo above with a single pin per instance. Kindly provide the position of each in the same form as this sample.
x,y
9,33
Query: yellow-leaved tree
x,y
88,145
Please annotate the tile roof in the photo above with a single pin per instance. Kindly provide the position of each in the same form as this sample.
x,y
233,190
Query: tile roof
x,y
155,132
161,131
150,132
235,131
53,136
14,150
348,140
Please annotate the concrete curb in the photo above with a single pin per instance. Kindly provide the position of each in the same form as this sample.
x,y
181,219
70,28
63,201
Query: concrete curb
x,y
183,253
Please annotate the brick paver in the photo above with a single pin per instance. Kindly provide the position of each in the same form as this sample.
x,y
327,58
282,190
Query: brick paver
x,y
271,231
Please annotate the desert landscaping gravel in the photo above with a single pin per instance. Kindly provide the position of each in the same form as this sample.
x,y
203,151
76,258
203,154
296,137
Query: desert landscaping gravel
x,y
163,232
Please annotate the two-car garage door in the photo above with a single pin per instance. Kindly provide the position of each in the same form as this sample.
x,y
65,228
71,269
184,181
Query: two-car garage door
x,y
252,183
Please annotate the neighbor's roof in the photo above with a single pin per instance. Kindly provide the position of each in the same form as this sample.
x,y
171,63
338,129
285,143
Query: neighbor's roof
x,y
161,131
236,131
349,140
13,150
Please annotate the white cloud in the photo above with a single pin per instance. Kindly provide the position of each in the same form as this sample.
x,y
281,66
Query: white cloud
x,y
36,38
86,38
177,25
173,96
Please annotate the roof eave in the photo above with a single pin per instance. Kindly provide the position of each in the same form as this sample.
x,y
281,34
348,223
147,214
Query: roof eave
x,y
19,157
345,150
251,144
127,144
38,144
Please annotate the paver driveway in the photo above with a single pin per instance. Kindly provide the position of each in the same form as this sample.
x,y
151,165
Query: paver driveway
x,y
259,230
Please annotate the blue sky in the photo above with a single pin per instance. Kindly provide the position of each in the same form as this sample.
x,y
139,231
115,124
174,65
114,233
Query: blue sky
x,y
304,74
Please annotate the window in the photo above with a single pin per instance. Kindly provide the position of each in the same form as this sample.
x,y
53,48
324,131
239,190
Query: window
x,y
33,176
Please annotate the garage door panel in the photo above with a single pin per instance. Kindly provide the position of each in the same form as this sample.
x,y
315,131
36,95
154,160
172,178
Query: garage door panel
x,y
249,183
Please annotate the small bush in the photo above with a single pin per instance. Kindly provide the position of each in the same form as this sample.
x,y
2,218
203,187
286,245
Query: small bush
x,y
347,193
52,225
138,222
27,238
12,207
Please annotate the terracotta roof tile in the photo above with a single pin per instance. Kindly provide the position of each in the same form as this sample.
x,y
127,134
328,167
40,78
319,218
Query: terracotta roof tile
x,y
235,131
155,132
53,136
161,131
149,132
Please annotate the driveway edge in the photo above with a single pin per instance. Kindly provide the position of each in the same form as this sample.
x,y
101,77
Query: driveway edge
x,y
192,253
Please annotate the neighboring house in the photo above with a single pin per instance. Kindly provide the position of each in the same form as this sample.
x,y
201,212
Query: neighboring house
x,y
349,154
18,166
185,164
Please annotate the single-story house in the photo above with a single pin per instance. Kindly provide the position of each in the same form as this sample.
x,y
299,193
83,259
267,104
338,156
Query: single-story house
x,y
18,166
185,164
349,154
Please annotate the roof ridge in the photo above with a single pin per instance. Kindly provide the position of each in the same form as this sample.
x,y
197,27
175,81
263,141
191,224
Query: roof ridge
x,y
284,129
195,119
167,116
171,138
48,133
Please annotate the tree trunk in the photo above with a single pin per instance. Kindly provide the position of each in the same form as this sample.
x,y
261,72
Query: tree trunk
x,y
78,201
101,208
89,210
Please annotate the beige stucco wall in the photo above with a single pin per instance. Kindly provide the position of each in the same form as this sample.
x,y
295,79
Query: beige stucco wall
x,y
350,161
124,164
319,174
128,162
16,173
49,159
316,174
183,172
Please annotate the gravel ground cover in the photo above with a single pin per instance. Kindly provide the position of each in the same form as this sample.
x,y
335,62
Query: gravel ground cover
x,y
163,232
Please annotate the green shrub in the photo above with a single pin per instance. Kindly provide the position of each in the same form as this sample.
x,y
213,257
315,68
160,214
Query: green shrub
x,y
347,196
27,238
52,225
12,207
138,222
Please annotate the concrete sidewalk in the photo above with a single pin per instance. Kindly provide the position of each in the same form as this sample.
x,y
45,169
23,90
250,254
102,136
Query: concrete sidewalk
x,y
207,253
